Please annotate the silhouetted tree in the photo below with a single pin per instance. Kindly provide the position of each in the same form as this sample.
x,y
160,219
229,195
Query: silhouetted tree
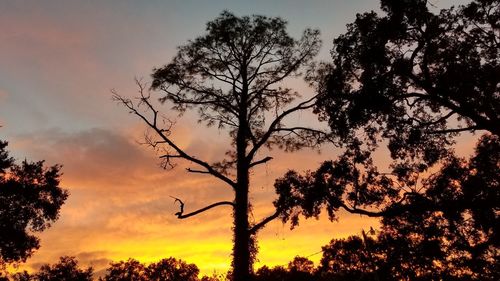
x,y
413,80
415,77
447,232
301,264
278,273
234,76
353,258
22,276
452,234
130,270
215,277
172,269
65,270
299,269
30,200
393,80
449,235
169,269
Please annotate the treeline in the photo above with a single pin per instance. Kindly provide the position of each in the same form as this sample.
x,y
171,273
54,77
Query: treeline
x,y
372,255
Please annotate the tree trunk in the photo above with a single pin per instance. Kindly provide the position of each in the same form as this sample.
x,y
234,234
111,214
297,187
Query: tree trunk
x,y
242,262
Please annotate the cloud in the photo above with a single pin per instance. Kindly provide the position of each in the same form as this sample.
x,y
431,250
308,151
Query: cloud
x,y
120,205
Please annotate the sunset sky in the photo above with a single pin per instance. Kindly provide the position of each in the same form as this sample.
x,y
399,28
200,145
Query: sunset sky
x,y
59,61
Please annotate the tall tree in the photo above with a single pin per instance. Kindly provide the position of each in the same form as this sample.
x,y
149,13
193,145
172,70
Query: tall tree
x,y
234,76
30,200
412,80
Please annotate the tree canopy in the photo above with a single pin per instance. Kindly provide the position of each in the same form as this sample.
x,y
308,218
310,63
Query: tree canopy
x,y
30,200
373,94
169,269
413,75
409,82
65,270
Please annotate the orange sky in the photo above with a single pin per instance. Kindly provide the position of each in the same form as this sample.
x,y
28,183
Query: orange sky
x,y
58,63
120,206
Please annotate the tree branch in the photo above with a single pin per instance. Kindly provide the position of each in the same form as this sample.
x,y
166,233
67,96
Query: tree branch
x,y
161,133
254,229
456,130
265,137
363,212
261,161
197,171
181,215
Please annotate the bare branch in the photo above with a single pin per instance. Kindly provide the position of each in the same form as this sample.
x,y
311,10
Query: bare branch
x,y
261,161
272,127
254,229
197,171
181,215
180,153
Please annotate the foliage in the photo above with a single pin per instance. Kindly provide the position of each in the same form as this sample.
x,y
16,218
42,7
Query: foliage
x,y
411,80
130,270
65,270
414,77
169,269
353,258
298,269
447,232
30,200
21,276
237,68
399,80
172,270
456,236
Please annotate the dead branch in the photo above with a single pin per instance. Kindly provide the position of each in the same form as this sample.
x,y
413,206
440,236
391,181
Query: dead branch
x,y
163,133
181,215
261,161
262,223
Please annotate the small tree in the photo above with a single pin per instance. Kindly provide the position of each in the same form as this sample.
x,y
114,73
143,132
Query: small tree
x,y
130,270
353,258
30,200
65,270
234,77
169,269
172,269
298,269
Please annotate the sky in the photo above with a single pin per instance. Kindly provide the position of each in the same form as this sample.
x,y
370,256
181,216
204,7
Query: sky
x,y
59,61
